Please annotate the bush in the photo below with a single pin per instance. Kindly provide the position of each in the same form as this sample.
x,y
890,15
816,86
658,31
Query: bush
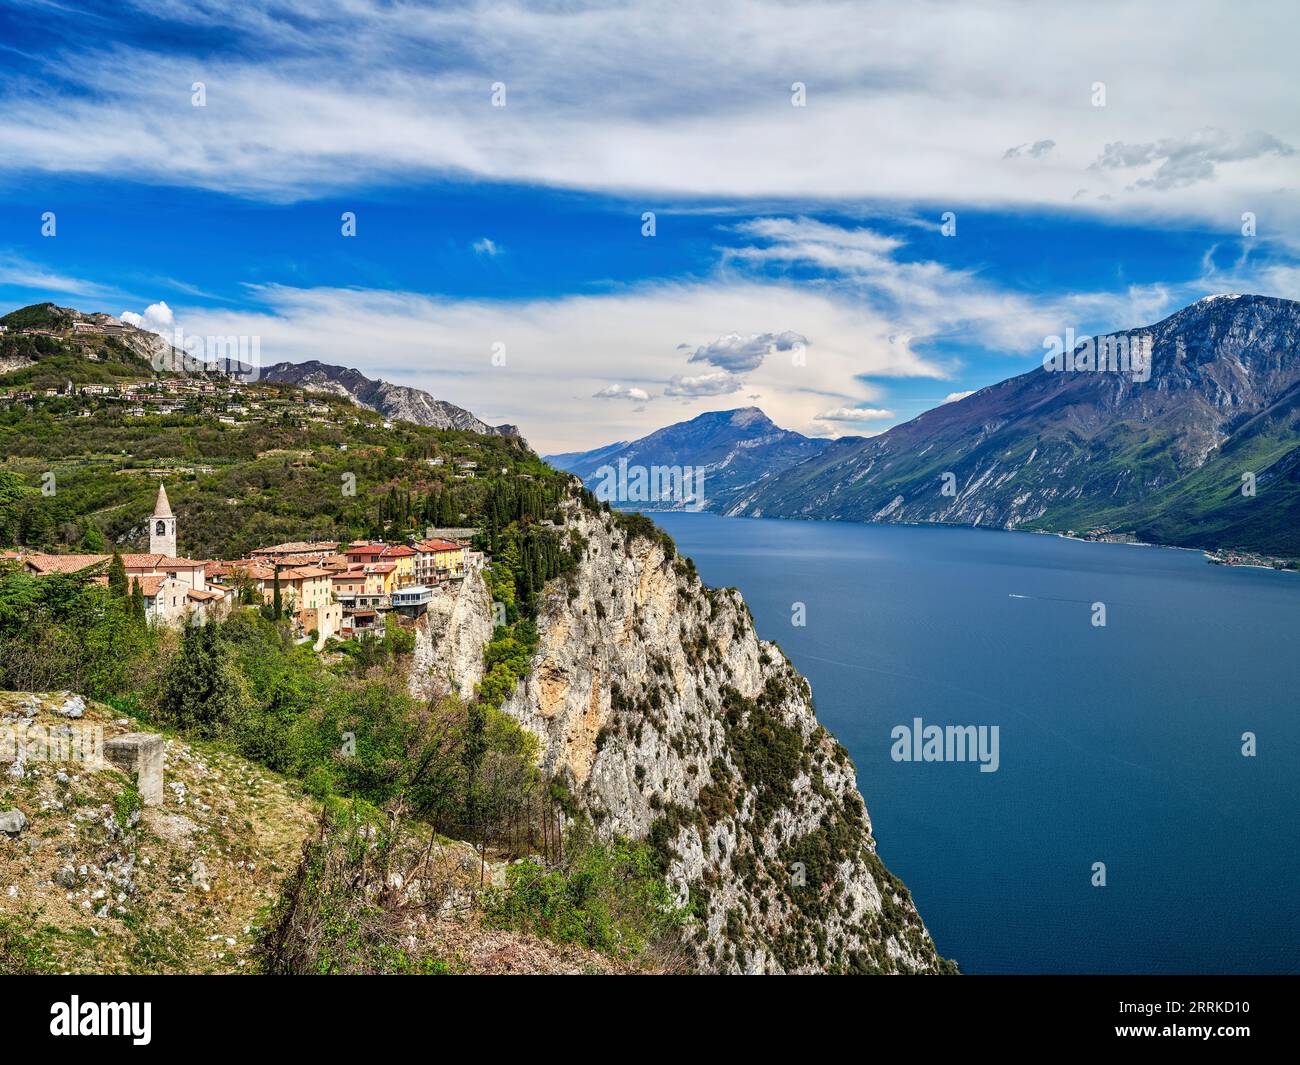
x,y
609,897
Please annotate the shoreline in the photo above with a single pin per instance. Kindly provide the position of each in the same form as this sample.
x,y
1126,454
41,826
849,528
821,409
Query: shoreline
x,y
1242,560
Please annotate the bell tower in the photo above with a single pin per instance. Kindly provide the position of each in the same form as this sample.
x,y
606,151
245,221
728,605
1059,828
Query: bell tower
x,y
162,527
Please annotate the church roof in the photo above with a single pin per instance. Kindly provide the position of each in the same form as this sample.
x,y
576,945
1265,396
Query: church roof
x,y
162,509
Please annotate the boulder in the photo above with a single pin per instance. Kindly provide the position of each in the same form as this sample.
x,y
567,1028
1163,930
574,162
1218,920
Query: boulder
x,y
12,821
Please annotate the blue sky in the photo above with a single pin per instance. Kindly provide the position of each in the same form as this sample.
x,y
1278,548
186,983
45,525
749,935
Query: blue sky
x,y
797,261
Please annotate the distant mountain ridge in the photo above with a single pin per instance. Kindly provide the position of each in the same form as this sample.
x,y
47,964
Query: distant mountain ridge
x,y
395,401
1095,451
738,451
68,340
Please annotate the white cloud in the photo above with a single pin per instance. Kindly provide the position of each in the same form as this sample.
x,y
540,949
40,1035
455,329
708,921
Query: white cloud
x,y
157,318
952,397
855,414
927,298
487,246
719,383
636,395
905,102
446,346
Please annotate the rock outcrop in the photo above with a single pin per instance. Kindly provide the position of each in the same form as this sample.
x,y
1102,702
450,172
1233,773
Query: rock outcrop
x,y
450,637
670,721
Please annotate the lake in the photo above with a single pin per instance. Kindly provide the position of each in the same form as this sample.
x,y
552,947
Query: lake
x,y
1119,743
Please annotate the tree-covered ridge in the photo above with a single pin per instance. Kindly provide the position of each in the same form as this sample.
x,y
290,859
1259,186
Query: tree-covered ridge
x,y
294,469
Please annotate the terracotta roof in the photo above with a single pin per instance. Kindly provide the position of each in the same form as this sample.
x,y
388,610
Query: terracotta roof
x,y
439,545
298,547
252,570
205,594
303,573
397,551
43,563
163,562
150,586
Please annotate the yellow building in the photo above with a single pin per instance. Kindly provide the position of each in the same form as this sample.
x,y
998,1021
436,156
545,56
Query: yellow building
x,y
439,560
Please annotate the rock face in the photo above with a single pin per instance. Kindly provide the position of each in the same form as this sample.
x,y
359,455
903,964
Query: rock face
x,y
395,401
670,721
450,637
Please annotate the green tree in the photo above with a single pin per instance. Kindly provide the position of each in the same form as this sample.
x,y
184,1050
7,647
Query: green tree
x,y
137,601
11,491
92,540
202,693
117,583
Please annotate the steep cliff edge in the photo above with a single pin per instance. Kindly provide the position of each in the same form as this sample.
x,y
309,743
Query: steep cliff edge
x,y
669,719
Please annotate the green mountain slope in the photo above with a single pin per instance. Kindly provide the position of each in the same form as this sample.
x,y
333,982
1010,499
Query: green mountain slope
x,y
1092,451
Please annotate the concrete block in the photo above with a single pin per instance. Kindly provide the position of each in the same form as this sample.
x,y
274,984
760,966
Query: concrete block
x,y
140,754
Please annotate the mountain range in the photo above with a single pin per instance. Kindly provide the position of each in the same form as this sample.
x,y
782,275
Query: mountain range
x,y
1200,447
395,401
46,343
738,451
1204,453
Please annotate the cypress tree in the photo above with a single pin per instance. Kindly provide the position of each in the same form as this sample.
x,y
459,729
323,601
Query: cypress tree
x,y
117,585
137,601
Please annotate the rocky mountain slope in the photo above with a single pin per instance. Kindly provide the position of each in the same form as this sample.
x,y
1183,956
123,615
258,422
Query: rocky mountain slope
x,y
395,401
94,882
45,335
737,449
1095,451
669,720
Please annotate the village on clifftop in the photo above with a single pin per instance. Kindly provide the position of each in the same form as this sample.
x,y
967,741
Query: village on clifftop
x,y
327,589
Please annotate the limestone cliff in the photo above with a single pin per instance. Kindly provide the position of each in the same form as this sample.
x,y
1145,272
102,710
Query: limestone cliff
x,y
450,638
671,721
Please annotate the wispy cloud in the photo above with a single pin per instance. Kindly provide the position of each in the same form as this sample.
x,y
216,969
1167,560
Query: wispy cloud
x,y
307,98
21,273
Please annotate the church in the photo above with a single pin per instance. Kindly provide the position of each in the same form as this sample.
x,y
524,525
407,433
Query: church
x,y
175,589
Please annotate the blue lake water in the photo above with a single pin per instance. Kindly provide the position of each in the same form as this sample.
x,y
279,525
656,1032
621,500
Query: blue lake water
x,y
1119,744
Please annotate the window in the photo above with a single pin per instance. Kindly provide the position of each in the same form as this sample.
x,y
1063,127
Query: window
x,y
161,528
